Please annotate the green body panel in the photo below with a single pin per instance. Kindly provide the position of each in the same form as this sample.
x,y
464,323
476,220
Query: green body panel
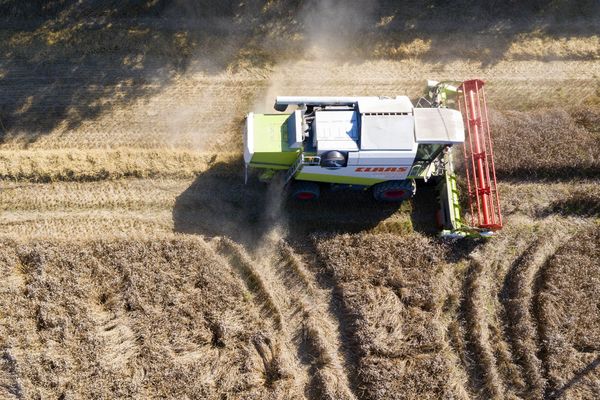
x,y
345,180
449,198
274,160
270,142
453,200
443,93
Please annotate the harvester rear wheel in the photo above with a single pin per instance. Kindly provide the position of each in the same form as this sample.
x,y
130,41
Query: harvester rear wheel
x,y
394,191
304,191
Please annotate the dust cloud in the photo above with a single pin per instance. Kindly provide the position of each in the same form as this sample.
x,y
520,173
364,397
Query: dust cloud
x,y
331,27
330,30
274,221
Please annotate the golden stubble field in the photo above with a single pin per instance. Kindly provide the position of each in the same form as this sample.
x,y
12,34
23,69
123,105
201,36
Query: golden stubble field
x,y
136,264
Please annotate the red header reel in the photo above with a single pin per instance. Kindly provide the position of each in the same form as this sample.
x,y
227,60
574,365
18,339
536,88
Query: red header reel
x,y
484,201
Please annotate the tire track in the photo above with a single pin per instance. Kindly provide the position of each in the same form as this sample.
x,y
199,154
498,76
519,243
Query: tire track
x,y
277,349
321,328
484,374
522,324
306,346
453,345
11,386
544,304
236,256
545,311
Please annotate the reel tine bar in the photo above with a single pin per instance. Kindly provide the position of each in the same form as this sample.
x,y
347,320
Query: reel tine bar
x,y
484,200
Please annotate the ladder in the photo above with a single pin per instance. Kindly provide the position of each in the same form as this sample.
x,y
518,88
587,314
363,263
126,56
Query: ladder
x,y
484,200
291,172
300,161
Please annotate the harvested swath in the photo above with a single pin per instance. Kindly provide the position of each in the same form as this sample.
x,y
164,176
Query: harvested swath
x,y
508,370
126,319
123,208
568,317
546,143
389,286
121,194
86,224
101,164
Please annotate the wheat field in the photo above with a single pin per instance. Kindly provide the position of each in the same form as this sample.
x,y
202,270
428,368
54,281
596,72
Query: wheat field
x,y
135,262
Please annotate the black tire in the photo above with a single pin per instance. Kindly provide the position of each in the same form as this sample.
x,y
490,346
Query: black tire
x,y
394,191
304,191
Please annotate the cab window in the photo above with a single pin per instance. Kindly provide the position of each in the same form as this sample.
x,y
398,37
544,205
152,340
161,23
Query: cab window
x,y
428,152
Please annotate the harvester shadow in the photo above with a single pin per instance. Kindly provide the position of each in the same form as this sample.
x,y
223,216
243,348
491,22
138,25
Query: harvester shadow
x,y
218,203
579,204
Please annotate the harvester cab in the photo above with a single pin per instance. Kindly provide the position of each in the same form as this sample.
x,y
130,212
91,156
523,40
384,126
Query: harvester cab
x,y
383,145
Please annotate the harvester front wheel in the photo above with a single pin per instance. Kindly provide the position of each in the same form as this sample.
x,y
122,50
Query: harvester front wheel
x,y
304,191
394,191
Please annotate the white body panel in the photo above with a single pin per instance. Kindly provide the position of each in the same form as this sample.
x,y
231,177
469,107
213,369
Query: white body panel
x,y
438,125
353,158
375,124
399,105
294,129
382,165
381,158
382,172
335,130
249,138
387,132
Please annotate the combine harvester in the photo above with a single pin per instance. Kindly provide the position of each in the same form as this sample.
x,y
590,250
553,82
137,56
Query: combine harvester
x,y
384,145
